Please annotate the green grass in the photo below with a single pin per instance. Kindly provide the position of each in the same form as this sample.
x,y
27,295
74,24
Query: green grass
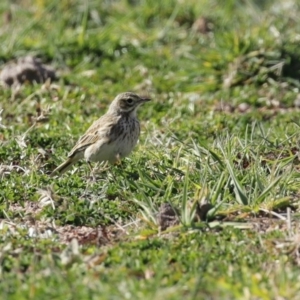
x,y
222,128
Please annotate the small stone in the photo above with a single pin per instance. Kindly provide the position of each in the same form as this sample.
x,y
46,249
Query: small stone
x,y
202,25
167,216
26,69
243,107
297,101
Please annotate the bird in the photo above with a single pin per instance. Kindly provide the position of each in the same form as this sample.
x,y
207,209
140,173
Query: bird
x,y
111,137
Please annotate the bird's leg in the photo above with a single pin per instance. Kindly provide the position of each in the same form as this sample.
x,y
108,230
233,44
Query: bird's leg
x,y
118,160
105,167
98,168
92,175
90,179
118,164
90,166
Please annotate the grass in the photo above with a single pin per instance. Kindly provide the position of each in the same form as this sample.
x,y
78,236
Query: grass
x,y
222,129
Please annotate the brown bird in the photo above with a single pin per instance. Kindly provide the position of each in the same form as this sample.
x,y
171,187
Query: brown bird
x,y
111,137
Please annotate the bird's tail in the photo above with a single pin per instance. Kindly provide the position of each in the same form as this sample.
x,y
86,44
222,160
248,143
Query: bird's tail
x,y
65,166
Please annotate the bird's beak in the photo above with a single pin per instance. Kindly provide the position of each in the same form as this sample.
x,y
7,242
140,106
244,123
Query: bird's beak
x,y
145,99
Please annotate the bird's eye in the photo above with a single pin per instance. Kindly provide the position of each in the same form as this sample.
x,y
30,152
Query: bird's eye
x,y
129,100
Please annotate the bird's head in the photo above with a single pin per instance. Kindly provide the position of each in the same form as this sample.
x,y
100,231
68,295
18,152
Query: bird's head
x,y
127,103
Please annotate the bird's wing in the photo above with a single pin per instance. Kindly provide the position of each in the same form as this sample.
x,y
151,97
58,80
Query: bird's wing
x,y
93,135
